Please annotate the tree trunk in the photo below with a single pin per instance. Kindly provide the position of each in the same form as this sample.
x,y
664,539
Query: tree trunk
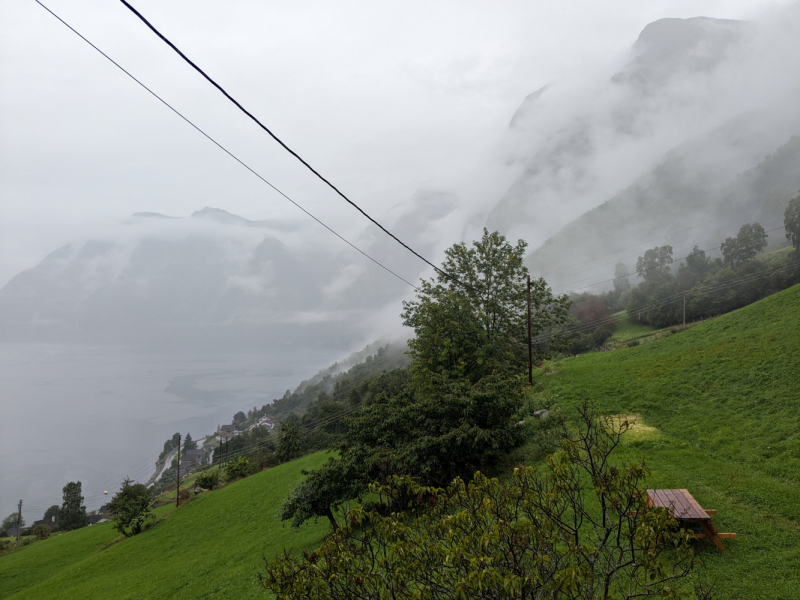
x,y
332,519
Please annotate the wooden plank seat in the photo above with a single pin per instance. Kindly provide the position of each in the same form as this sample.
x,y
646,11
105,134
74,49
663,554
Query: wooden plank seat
x,y
685,508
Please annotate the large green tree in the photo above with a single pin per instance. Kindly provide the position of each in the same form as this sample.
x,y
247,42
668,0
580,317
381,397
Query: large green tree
x,y
470,320
750,240
653,267
130,508
72,514
11,521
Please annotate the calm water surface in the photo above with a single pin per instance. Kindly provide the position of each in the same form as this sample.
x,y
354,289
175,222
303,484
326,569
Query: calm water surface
x,y
98,414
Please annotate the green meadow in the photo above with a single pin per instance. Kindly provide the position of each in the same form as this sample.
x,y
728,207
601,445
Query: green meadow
x,y
211,547
718,410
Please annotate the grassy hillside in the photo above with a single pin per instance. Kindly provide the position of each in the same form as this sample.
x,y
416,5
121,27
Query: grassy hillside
x,y
720,405
209,548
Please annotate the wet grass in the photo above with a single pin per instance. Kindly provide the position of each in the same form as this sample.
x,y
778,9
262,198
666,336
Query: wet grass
x,y
210,547
723,402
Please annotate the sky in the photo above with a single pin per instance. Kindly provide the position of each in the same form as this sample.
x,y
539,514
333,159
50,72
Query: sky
x,y
385,100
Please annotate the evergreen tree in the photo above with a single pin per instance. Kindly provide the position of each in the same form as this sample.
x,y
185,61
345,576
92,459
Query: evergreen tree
x,y
189,443
72,514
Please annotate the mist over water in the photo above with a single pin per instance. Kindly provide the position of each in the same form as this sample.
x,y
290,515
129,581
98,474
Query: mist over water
x,y
100,413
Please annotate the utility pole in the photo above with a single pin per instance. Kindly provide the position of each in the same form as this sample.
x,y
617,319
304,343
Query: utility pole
x,y
178,486
684,308
19,520
530,347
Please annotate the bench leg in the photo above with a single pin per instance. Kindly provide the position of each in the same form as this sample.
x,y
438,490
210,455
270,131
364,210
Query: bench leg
x,y
711,531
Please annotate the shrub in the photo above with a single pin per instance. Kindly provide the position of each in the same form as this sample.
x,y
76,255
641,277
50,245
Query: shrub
x,y
130,507
208,480
41,531
632,343
517,538
238,467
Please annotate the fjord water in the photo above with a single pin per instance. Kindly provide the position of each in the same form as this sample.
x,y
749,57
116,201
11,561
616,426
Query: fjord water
x,y
98,414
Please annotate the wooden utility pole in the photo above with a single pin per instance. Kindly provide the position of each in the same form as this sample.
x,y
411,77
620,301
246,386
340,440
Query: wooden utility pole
x,y
19,520
530,343
178,485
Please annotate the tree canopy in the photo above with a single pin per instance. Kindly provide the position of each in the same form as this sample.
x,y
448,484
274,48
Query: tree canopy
x,y
750,240
472,320
654,265
73,513
130,508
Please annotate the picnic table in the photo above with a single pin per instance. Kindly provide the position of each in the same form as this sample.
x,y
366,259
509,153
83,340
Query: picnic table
x,y
685,508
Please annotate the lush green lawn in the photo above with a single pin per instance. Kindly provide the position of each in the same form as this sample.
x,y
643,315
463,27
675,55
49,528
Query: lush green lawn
x,y
627,329
210,547
32,564
724,400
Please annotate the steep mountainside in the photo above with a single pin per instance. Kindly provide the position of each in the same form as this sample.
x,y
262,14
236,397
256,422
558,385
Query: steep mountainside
x,y
675,137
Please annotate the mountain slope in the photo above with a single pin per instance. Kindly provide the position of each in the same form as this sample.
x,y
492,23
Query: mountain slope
x,y
721,408
660,145
211,547
690,211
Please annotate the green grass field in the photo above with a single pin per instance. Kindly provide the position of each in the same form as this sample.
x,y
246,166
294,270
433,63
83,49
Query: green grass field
x,y
723,399
210,547
718,414
627,329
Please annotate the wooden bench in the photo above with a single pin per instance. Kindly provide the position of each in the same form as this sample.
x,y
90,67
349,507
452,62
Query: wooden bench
x,y
685,508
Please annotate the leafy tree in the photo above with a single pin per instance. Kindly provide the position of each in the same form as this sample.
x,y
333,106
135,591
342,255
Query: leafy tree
x,y
239,417
72,514
208,480
447,429
130,508
578,529
40,531
791,222
474,323
290,444
621,281
653,267
189,443
170,445
750,240
236,468
53,511
11,521
322,492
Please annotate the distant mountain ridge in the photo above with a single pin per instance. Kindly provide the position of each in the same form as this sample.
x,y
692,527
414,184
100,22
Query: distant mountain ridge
x,y
722,157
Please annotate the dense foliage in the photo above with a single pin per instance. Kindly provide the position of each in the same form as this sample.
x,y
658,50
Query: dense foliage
x,y
470,321
130,508
454,412
590,323
579,529
711,287
72,514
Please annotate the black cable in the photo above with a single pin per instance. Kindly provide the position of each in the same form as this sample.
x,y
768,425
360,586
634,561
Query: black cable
x,y
283,145
221,147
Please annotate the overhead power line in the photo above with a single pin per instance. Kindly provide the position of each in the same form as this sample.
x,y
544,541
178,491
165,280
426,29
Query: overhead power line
x,y
224,149
281,142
